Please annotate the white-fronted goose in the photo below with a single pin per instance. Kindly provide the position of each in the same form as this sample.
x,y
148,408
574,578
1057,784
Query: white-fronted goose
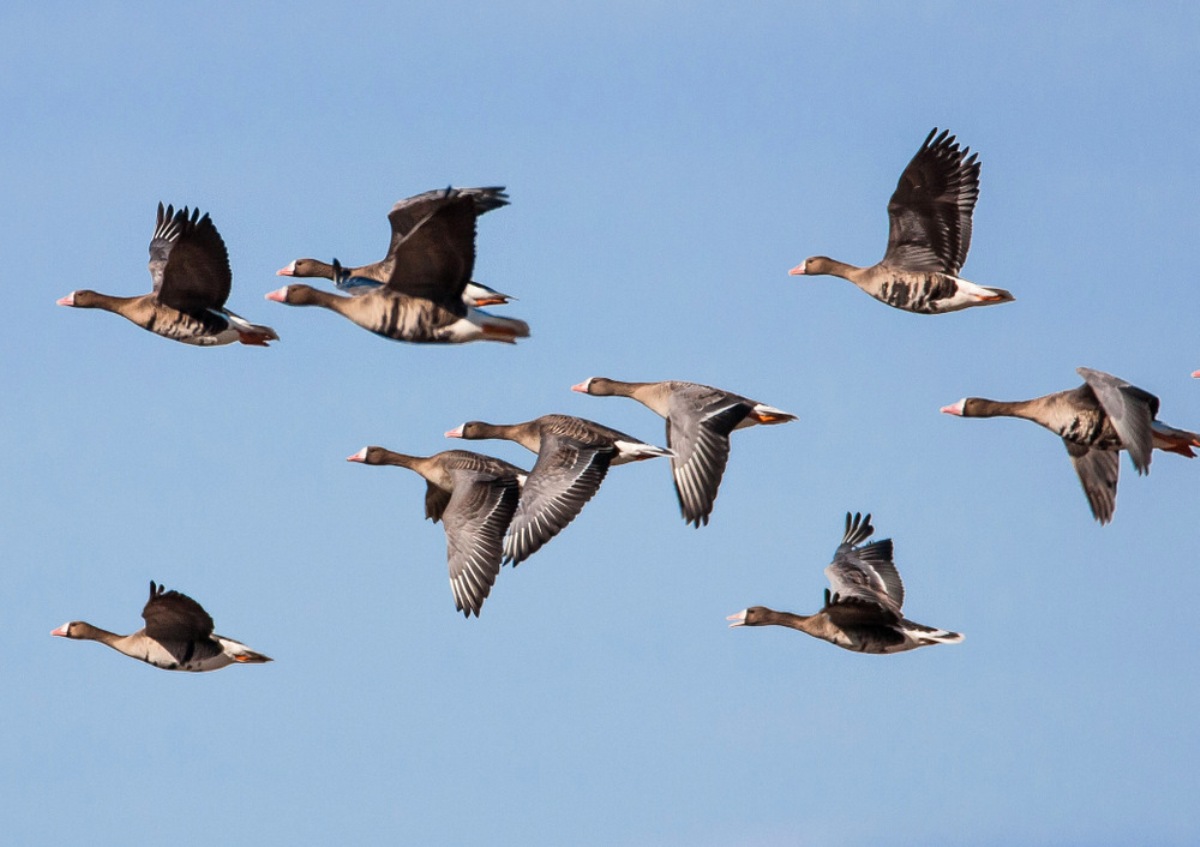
x,y
178,636
574,455
928,239
863,611
699,421
1096,420
190,269
475,497
427,272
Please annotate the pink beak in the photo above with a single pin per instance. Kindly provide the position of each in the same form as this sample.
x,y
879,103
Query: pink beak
x,y
454,433
797,271
581,387
1195,374
360,456
69,300
279,295
290,270
62,630
952,409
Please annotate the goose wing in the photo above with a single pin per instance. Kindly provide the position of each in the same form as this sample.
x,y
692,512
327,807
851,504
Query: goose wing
x,y
1097,470
930,210
411,212
698,428
865,578
435,259
1131,410
567,474
171,616
188,261
476,517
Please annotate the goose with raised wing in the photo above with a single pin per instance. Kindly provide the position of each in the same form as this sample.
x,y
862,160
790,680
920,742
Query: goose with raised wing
x,y
699,421
417,293
178,636
862,612
190,269
928,238
1095,421
573,457
367,277
475,497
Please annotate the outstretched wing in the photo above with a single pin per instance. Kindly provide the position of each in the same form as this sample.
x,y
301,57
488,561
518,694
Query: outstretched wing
x,y
1097,470
478,513
930,210
565,477
435,259
171,616
865,578
1131,410
698,428
188,261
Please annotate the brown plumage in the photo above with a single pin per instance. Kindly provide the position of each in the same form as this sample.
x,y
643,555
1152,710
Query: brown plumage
x,y
862,612
475,497
574,455
700,419
416,293
178,636
1095,421
928,239
190,269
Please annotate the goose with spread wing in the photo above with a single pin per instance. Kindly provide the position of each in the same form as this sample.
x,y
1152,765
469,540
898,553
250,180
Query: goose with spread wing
x,y
190,268
573,457
862,609
368,277
700,419
1095,421
928,239
178,636
475,497
421,295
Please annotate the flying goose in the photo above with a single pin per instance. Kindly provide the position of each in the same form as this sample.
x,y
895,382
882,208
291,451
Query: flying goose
x,y
190,269
475,497
574,455
862,613
1095,421
417,293
699,421
178,636
361,279
928,239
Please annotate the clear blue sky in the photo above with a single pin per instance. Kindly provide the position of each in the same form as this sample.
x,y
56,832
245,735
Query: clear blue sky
x,y
668,163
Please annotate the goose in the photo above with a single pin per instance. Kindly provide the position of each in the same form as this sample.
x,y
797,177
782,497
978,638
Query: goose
x,y
404,217
699,421
427,271
475,497
863,611
574,455
930,233
178,636
190,269
1095,421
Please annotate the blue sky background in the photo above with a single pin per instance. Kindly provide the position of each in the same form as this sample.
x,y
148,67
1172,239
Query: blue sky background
x,y
668,163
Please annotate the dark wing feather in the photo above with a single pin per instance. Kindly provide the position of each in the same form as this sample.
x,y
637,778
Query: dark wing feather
x,y
1131,410
479,512
699,435
865,577
436,501
171,616
565,477
930,210
409,213
1097,470
188,262
436,258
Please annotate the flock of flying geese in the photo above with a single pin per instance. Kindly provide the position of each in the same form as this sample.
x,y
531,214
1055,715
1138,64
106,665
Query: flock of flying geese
x,y
495,513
